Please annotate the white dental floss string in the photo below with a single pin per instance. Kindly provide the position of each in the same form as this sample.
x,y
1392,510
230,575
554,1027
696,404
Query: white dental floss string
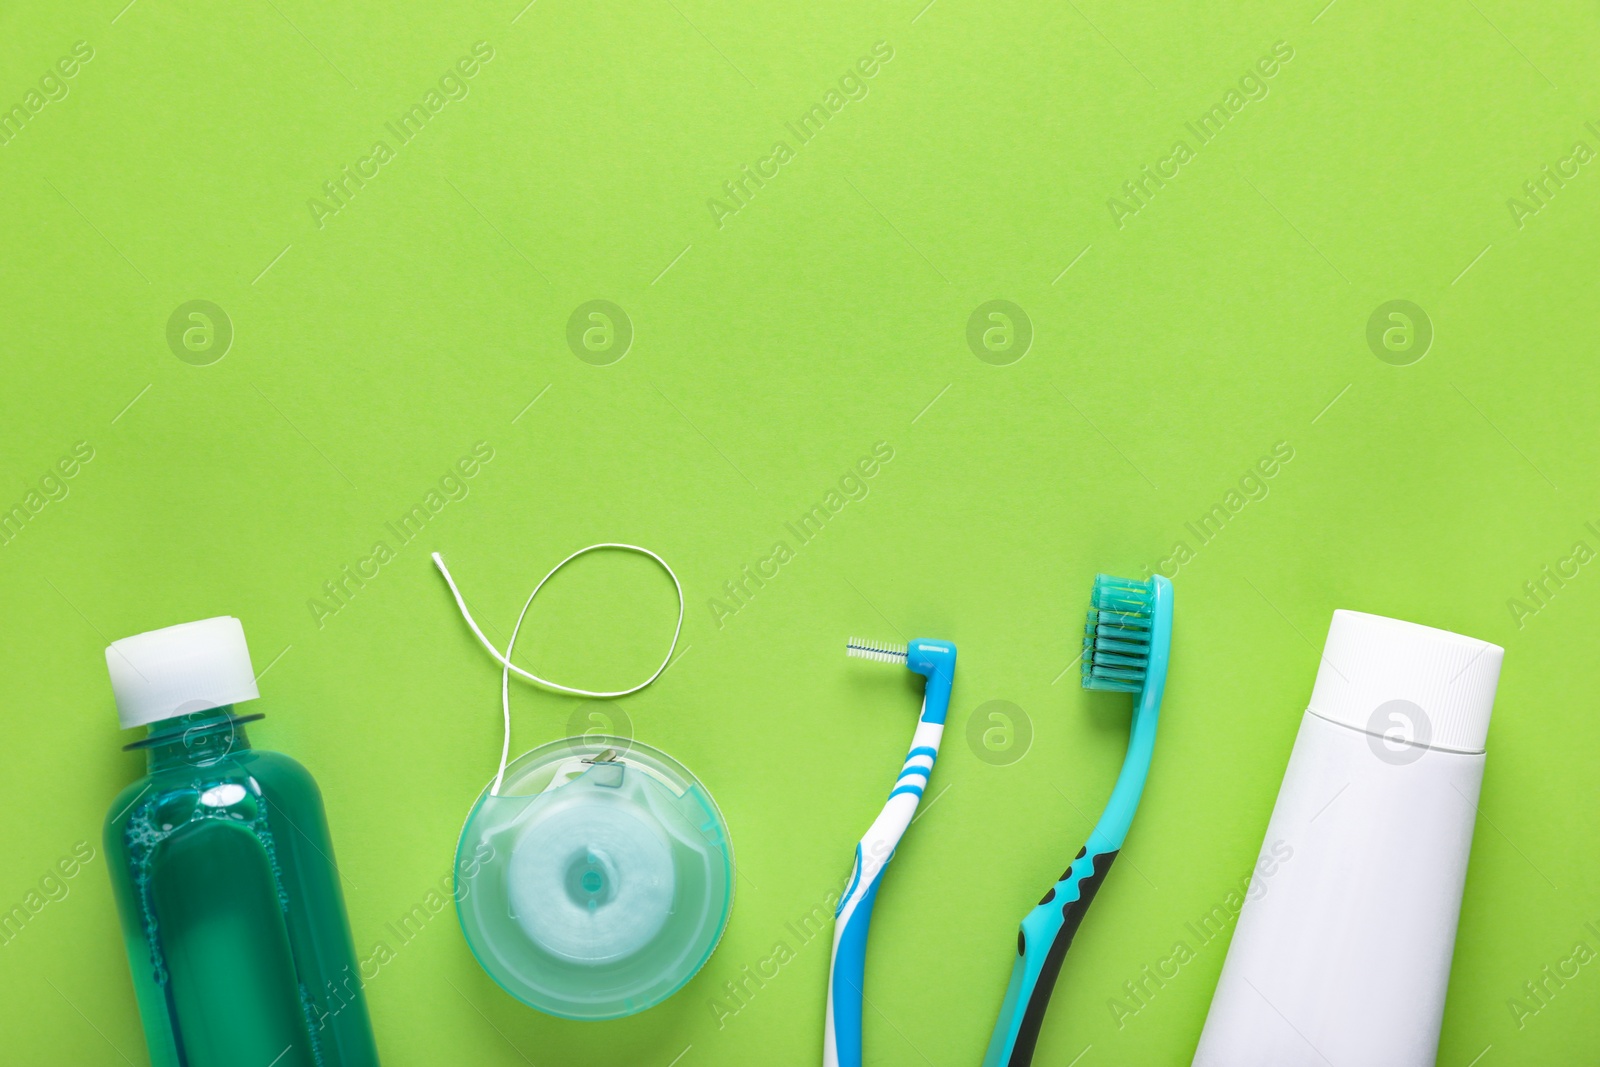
x,y
508,668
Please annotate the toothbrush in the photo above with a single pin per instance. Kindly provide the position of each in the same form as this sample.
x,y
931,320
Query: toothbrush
x,y
936,661
1129,638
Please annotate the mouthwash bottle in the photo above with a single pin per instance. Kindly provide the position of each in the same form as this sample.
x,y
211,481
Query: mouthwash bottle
x,y
223,871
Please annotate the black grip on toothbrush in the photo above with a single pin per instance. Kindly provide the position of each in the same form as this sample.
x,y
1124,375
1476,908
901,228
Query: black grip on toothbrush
x,y
1071,915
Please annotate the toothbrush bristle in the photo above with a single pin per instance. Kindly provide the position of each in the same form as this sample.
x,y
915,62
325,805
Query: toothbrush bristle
x,y
882,651
1116,643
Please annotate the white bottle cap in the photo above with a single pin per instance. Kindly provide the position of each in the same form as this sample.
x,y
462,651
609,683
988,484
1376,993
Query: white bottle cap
x,y
1411,684
180,669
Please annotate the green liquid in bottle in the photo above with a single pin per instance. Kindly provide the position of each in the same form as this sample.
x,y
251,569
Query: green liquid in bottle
x,y
231,908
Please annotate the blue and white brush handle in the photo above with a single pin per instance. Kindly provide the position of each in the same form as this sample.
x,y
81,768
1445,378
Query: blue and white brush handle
x,y
936,660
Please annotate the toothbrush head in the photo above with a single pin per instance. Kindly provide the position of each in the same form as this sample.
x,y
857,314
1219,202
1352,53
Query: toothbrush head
x,y
882,651
934,660
923,655
1129,634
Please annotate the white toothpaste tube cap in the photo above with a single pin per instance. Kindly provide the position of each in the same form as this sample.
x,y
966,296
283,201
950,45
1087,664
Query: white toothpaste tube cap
x,y
1409,683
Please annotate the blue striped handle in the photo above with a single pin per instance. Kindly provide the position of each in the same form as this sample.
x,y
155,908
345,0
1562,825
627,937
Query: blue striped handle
x,y
853,917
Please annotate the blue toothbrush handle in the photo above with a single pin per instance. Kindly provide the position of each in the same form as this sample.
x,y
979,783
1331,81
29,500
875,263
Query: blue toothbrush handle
x,y
853,917
841,1044
847,974
1042,942
1128,641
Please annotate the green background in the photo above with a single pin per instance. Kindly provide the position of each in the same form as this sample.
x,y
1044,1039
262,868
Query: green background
x,y
769,354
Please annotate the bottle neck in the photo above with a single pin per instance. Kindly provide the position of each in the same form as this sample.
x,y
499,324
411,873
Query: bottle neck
x,y
198,739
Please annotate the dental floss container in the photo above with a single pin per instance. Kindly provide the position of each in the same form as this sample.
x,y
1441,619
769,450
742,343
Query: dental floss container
x,y
597,880
1342,952
594,875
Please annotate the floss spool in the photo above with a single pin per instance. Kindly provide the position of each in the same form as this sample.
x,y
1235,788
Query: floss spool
x,y
594,875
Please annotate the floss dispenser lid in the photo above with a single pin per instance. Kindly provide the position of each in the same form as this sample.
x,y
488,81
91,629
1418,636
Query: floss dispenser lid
x,y
597,880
